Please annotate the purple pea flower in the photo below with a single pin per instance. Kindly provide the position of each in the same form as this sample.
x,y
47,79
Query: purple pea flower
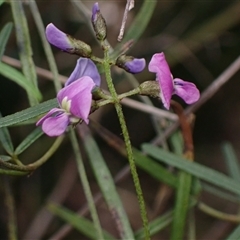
x,y
85,67
136,65
74,104
131,64
58,38
66,42
169,86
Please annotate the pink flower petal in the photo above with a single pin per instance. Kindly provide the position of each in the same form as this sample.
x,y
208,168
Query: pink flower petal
x,y
75,88
186,90
55,126
53,111
80,94
159,65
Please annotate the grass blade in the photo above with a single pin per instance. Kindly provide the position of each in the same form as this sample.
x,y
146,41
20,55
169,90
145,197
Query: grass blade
x,y
28,113
106,183
196,169
231,161
81,224
25,49
31,138
182,193
6,140
17,77
235,234
156,225
4,36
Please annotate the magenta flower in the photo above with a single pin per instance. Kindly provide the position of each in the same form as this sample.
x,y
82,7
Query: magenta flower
x,y
74,104
169,86
85,67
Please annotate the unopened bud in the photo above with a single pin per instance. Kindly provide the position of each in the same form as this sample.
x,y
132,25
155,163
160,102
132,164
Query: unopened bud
x,y
66,42
131,64
150,88
99,23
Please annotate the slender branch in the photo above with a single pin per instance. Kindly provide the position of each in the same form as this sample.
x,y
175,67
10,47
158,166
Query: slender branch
x,y
36,164
218,214
127,141
86,186
11,213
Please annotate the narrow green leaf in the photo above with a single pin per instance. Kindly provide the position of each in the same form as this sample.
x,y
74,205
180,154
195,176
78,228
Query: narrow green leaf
x,y
196,169
25,49
28,113
231,161
181,205
220,193
182,192
138,25
1,2
235,234
31,138
155,169
17,77
6,141
5,158
106,184
156,225
4,36
81,224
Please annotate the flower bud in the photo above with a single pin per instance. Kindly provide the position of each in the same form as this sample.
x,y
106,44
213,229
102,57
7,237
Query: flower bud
x,y
66,42
150,88
99,23
131,64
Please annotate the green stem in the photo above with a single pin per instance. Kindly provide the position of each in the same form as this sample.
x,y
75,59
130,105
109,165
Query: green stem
x,y
9,203
127,141
36,164
218,214
86,187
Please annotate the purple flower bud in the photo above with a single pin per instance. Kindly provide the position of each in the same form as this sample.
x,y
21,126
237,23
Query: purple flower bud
x,y
74,104
95,11
136,65
99,23
58,38
67,43
169,86
85,67
131,64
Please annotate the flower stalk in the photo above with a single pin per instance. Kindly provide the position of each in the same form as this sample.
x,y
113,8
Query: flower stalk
x,y
127,141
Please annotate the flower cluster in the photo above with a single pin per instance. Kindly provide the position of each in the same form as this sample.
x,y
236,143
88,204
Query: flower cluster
x,y
75,99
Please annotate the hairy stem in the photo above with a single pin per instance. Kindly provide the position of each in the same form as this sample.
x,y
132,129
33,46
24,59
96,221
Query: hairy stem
x,y
127,141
